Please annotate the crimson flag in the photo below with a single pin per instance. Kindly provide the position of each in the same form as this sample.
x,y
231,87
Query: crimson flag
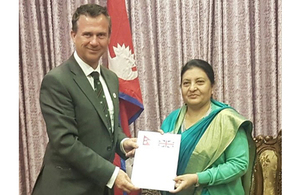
x,y
121,60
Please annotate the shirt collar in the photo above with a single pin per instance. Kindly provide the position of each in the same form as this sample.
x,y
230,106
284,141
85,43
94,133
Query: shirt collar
x,y
87,69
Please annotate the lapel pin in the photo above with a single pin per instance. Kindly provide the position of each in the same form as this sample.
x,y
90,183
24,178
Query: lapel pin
x,y
115,96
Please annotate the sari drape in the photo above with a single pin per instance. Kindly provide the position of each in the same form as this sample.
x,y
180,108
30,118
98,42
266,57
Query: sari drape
x,y
191,136
219,128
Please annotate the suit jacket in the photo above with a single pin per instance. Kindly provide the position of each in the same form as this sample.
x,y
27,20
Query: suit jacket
x,y
81,148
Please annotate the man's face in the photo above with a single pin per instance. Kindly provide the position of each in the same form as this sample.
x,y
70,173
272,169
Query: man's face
x,y
91,39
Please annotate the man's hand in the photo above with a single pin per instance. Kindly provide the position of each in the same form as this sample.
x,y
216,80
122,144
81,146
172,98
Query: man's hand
x,y
184,182
123,182
129,146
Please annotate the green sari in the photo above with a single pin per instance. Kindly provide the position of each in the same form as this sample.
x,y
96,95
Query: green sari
x,y
196,151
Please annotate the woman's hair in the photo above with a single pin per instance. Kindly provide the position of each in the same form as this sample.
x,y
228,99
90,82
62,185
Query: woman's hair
x,y
205,66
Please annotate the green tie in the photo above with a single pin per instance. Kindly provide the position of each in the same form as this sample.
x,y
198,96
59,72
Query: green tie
x,y
100,94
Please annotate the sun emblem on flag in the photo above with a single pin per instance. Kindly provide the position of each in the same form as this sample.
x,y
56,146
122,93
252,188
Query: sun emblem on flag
x,y
123,64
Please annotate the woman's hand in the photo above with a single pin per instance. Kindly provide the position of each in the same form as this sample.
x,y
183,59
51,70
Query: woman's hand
x,y
161,131
184,182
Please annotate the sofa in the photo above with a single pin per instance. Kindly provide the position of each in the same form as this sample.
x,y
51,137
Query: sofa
x,y
267,175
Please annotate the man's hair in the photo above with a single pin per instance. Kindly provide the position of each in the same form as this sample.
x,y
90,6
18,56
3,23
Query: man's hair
x,y
92,10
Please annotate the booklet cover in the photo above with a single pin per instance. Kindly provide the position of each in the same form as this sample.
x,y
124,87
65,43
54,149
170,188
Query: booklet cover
x,y
155,161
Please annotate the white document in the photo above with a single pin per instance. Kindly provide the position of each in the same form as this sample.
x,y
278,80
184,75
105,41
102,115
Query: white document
x,y
155,161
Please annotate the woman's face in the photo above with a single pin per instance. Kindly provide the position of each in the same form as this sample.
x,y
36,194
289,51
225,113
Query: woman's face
x,y
196,88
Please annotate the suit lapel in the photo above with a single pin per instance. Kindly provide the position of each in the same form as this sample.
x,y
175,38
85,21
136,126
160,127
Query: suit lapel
x,y
113,91
83,83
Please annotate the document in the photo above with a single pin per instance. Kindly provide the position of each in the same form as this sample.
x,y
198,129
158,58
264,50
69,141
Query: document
x,y
155,161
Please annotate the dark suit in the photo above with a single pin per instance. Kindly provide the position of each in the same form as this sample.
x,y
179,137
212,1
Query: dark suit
x,y
81,148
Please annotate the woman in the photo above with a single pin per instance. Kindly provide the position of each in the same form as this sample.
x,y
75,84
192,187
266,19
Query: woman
x,y
217,150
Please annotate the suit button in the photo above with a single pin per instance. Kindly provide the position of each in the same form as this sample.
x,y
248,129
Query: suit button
x,y
109,148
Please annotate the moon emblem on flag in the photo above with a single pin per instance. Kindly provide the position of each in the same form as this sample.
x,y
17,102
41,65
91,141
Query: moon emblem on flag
x,y
123,64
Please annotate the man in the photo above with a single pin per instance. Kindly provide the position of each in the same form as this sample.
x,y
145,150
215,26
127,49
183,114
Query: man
x,y
83,130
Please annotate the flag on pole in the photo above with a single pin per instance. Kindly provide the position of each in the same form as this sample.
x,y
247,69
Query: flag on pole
x,y
121,60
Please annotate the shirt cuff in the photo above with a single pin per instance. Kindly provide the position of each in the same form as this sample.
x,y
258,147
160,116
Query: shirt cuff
x,y
112,180
121,145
